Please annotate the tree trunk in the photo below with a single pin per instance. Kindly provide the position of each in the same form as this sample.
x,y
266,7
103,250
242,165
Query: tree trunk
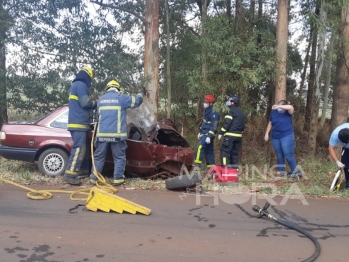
x,y
228,8
260,14
317,84
168,59
299,108
3,88
204,6
312,62
252,7
238,9
151,54
341,88
281,50
328,79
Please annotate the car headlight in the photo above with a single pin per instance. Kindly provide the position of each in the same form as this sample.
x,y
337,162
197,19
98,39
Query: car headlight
x,y
2,135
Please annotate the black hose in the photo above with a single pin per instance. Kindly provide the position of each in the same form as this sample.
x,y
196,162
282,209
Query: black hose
x,y
263,212
308,235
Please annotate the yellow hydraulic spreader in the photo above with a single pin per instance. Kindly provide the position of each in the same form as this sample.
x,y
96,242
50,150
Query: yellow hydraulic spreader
x,y
101,200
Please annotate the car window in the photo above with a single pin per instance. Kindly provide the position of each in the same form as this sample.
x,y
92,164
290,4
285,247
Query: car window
x,y
61,121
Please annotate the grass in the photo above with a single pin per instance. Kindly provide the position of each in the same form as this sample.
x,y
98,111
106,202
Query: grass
x,y
256,174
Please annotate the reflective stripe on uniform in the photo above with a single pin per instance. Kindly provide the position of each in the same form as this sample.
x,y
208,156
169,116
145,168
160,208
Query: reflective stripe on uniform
x,y
223,129
73,164
73,173
111,134
233,134
118,124
133,101
228,116
74,97
211,132
79,126
224,161
198,153
208,122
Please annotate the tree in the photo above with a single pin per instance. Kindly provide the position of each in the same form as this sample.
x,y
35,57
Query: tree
x,y
281,49
6,22
148,13
341,88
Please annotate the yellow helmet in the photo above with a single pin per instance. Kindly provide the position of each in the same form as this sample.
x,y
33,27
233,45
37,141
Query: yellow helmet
x,y
88,71
113,84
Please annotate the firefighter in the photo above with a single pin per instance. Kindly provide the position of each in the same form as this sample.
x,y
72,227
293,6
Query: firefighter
x,y
80,106
112,129
233,126
207,132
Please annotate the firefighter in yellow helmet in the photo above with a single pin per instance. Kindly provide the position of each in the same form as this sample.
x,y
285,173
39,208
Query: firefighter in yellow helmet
x,y
112,129
80,106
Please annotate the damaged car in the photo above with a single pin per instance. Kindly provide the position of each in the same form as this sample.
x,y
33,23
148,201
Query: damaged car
x,y
155,148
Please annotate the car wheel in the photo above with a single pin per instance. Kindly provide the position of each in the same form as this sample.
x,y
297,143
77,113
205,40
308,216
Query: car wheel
x,y
52,162
182,182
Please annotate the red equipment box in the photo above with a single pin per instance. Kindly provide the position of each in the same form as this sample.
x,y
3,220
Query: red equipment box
x,y
224,174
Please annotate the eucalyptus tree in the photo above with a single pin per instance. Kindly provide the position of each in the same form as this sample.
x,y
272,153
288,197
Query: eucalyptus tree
x,y
281,49
6,22
341,87
145,14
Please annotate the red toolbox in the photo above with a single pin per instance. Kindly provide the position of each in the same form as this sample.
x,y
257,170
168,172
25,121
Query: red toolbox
x,y
224,174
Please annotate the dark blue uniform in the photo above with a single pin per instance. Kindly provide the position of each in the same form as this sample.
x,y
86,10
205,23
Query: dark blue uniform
x,y
208,128
80,106
233,127
112,130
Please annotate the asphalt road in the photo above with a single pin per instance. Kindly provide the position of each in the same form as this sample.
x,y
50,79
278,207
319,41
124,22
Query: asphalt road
x,y
180,228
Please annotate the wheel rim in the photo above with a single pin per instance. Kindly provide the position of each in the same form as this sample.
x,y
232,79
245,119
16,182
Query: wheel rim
x,y
53,163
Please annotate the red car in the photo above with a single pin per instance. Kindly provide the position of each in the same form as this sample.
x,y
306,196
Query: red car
x,y
47,141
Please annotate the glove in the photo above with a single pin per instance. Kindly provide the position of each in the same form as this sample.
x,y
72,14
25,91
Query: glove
x,y
340,164
199,135
140,94
266,137
208,140
219,137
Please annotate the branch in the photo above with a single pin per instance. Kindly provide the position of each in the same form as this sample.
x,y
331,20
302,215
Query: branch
x,y
121,9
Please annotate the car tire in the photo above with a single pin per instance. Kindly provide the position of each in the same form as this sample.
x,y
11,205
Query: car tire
x,y
182,182
52,162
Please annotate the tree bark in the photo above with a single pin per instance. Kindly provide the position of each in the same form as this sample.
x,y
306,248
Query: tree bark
x,y
228,8
311,80
260,14
252,7
151,54
4,17
299,108
328,79
317,84
341,88
281,50
238,9
168,59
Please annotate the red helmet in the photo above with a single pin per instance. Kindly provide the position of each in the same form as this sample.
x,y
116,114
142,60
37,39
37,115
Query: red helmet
x,y
209,99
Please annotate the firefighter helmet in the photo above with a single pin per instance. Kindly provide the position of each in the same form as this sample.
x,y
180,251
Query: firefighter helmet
x,y
88,70
209,99
113,84
235,99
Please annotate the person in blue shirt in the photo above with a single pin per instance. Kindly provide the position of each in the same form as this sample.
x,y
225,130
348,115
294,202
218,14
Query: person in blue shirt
x,y
282,137
207,132
80,106
112,129
340,136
